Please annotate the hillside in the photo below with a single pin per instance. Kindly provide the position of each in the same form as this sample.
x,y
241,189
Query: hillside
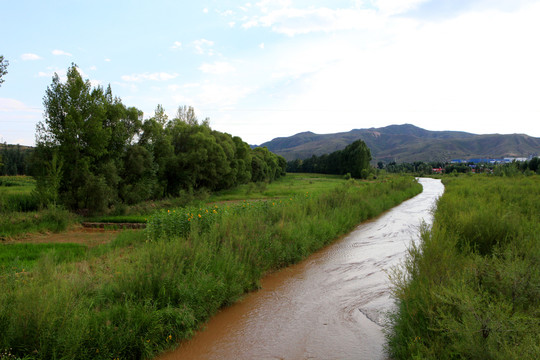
x,y
408,143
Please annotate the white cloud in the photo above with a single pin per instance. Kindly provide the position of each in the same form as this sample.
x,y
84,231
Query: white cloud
x,y
176,45
107,60
476,72
392,7
217,68
96,83
12,105
261,45
17,118
30,56
293,21
218,95
157,76
61,53
62,73
203,46
205,10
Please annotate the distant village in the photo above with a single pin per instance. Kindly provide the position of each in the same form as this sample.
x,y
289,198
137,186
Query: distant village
x,y
472,163
506,160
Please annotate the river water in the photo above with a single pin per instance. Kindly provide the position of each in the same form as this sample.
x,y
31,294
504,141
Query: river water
x,y
330,306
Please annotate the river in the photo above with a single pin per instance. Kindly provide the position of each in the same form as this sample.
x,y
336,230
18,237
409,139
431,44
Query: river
x,y
330,306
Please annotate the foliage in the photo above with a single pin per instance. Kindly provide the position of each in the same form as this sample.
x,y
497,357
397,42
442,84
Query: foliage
x,y
135,298
354,159
420,168
471,289
17,223
3,68
111,156
15,160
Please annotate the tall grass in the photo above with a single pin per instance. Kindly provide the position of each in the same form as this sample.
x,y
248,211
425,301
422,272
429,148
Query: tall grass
x,y
22,257
13,224
16,194
471,290
20,213
151,289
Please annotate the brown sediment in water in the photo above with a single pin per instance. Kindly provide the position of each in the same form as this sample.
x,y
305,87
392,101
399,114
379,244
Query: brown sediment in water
x,y
333,305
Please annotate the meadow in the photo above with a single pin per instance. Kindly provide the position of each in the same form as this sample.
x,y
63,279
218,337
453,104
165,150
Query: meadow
x,y
20,213
147,290
471,289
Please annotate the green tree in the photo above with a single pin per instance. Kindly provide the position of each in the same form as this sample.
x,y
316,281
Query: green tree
x,y
3,68
90,130
356,157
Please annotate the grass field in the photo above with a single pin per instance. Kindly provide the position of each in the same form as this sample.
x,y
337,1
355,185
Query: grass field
x,y
471,290
146,290
16,194
283,187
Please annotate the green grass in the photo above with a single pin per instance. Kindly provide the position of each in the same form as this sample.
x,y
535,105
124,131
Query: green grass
x,y
118,219
142,293
286,186
20,258
16,194
13,224
471,290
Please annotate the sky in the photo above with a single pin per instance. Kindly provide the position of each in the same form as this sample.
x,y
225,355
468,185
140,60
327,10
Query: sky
x,y
267,69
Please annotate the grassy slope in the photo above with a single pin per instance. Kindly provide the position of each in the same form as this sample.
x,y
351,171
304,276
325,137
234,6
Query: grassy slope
x,y
140,295
472,288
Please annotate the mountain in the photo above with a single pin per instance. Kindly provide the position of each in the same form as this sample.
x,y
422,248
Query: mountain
x,y
408,143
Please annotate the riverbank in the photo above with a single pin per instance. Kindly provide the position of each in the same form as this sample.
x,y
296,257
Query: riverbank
x,y
136,300
471,289
331,305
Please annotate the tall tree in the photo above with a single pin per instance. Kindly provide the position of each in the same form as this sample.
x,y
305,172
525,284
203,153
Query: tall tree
x,y
3,66
89,130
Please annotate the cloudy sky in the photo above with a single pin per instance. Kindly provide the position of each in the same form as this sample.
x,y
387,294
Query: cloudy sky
x,y
266,69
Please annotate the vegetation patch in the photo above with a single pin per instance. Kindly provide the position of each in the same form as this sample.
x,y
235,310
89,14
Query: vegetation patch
x,y
119,219
14,224
141,294
21,258
471,289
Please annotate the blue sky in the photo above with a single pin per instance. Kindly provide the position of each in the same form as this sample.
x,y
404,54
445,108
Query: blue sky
x,y
266,69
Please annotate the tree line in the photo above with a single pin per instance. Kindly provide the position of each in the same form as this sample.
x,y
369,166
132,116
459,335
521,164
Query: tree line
x,y
421,168
353,160
14,159
93,151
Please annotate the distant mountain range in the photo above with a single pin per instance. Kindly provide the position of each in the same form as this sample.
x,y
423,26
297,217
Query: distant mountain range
x,y
408,143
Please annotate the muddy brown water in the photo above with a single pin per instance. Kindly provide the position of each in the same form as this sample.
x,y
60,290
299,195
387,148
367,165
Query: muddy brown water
x,y
330,306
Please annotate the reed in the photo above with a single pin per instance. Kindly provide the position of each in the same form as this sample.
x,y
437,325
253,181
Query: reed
x,y
472,288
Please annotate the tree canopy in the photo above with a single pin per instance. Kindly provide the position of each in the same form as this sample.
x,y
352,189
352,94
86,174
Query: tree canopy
x,y
109,154
3,68
354,159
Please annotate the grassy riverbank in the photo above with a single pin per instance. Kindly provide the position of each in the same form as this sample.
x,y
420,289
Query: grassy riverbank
x,y
471,290
144,292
